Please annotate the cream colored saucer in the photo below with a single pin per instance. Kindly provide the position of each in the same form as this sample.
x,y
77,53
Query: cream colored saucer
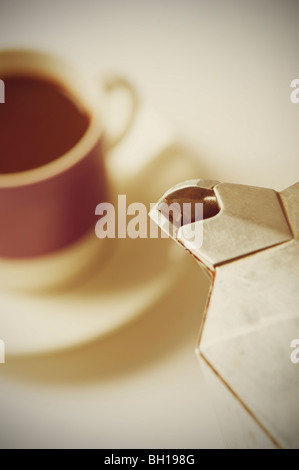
x,y
46,322
131,277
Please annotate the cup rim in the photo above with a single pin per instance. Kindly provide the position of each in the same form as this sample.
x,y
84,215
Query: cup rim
x,y
84,145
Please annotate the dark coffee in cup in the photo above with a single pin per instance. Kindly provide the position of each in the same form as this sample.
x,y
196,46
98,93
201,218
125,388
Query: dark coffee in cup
x,y
39,122
52,166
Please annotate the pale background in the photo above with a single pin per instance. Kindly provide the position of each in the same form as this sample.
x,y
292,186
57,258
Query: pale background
x,y
220,73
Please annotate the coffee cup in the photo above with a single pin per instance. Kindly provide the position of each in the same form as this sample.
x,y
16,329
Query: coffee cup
x,y
52,169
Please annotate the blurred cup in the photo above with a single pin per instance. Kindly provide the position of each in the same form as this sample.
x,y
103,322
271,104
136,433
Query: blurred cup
x,y
47,209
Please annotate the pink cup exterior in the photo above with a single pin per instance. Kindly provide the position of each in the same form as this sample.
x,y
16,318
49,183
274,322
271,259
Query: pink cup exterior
x,y
43,217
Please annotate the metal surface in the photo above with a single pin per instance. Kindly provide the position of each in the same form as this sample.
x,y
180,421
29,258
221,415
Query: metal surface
x,y
251,250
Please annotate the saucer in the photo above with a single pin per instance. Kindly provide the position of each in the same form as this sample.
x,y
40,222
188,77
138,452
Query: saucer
x,y
135,274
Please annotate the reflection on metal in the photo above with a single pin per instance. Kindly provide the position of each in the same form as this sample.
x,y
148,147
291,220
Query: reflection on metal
x,y
251,251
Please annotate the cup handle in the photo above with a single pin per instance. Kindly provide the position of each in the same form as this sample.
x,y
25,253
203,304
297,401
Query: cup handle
x,y
113,84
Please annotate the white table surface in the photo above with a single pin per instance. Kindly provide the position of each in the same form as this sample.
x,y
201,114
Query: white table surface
x,y
220,72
